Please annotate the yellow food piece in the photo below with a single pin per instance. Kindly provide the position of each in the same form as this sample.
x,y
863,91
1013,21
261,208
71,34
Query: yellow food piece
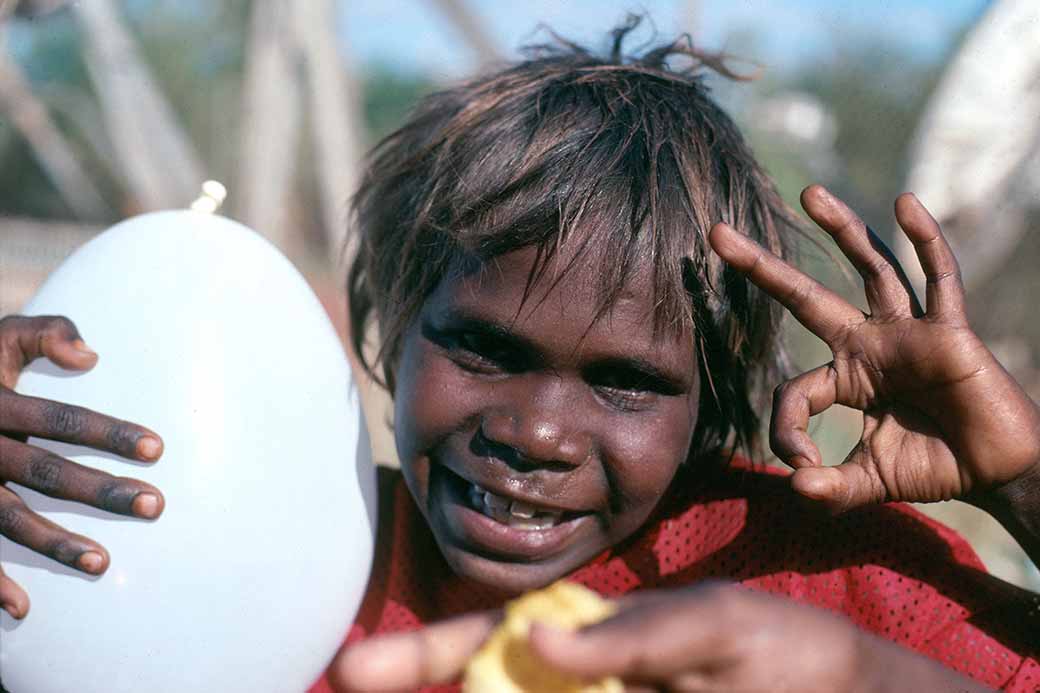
x,y
506,664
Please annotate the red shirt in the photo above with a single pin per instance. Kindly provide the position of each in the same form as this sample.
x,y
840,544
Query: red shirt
x,y
888,569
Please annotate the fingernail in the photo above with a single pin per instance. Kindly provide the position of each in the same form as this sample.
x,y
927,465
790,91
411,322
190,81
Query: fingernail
x,y
146,505
9,608
81,346
90,561
149,447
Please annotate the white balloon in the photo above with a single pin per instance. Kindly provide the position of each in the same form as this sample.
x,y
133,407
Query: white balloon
x,y
253,574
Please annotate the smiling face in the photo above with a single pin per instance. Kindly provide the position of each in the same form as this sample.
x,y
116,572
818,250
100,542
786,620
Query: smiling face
x,y
532,436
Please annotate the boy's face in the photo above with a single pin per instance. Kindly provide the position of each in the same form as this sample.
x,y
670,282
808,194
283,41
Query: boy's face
x,y
531,436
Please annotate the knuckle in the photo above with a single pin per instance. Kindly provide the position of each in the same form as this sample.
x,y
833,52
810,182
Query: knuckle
x,y
876,267
45,473
801,293
953,273
12,519
115,495
59,326
63,550
122,437
64,419
778,444
10,322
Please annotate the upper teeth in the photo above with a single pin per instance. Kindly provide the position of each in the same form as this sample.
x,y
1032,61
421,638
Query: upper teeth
x,y
514,513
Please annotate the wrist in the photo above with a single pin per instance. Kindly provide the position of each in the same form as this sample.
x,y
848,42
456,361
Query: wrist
x,y
1014,497
1016,505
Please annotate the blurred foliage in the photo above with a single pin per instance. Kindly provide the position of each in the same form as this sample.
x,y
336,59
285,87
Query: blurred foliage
x,y
876,91
389,96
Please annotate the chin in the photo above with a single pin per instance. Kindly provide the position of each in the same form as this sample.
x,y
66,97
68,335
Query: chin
x,y
508,577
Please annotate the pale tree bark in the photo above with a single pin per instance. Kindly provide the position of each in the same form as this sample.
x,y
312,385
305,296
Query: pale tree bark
x,y
54,154
157,160
472,30
334,104
271,113
978,140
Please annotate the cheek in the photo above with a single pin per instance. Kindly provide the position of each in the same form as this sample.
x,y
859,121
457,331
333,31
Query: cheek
x,y
430,401
647,452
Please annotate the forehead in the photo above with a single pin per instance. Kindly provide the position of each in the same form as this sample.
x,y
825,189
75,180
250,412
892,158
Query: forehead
x,y
562,308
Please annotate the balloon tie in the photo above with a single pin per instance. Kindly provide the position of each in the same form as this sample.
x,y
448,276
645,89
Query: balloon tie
x,y
213,195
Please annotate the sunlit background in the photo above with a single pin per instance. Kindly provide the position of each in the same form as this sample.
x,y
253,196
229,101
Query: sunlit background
x,y
110,108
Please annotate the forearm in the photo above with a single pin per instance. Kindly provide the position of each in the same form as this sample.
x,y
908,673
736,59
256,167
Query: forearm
x,y
889,667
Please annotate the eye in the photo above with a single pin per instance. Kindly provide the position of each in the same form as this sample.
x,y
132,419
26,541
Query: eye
x,y
484,352
629,389
477,351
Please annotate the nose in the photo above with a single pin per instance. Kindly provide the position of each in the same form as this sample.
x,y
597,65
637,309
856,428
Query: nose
x,y
541,431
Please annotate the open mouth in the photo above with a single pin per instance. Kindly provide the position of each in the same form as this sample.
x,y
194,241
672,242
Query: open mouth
x,y
515,513
497,525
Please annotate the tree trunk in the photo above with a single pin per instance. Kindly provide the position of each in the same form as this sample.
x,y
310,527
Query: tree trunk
x,y
334,103
30,117
472,30
975,139
159,165
270,126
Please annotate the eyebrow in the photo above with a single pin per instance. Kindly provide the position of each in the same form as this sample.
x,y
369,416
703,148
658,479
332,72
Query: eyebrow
x,y
456,319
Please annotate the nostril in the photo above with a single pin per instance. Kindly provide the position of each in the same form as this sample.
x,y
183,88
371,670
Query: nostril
x,y
518,459
484,446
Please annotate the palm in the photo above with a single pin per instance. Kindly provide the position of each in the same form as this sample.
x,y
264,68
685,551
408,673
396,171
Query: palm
x,y
942,419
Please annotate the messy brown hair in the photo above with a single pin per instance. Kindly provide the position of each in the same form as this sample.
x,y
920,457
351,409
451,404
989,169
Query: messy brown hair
x,y
627,153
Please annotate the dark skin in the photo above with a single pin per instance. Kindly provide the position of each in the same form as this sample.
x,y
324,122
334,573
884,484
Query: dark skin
x,y
532,402
923,379
942,419
23,340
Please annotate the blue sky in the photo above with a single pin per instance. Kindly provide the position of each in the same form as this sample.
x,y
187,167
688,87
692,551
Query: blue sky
x,y
413,35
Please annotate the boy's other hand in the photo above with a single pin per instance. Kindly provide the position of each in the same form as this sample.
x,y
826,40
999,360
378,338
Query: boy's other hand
x,y
708,637
23,340
942,418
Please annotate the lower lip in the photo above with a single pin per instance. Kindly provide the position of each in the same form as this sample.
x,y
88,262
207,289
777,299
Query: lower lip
x,y
488,536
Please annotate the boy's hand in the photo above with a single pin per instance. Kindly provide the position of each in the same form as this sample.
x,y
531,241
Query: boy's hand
x,y
708,637
942,418
22,340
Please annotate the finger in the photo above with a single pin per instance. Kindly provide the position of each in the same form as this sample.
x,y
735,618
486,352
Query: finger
x,y
22,526
822,311
408,661
844,487
887,288
24,339
944,295
13,598
648,643
71,424
794,402
57,477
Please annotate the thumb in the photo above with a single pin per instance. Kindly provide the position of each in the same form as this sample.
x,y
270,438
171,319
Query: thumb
x,y
842,488
24,339
409,661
